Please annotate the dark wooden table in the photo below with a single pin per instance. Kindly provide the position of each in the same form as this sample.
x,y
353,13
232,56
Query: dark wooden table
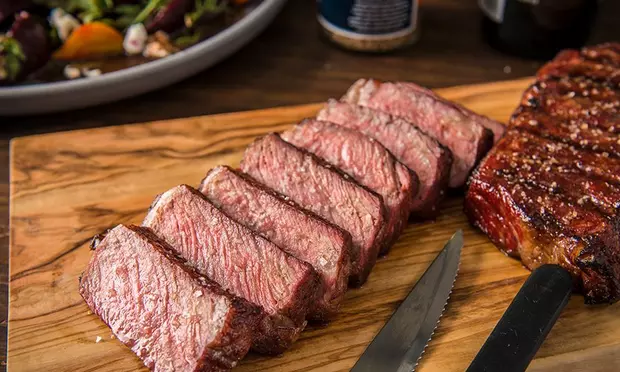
x,y
291,64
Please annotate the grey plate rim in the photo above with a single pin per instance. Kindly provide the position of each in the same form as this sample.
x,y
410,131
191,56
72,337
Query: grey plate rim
x,y
166,70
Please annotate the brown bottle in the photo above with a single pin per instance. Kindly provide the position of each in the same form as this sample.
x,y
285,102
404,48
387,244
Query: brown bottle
x,y
537,28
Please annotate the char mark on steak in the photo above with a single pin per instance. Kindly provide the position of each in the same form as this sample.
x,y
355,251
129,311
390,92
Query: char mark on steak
x,y
242,262
169,315
368,162
575,102
594,165
297,231
468,139
426,157
555,176
576,65
576,111
323,189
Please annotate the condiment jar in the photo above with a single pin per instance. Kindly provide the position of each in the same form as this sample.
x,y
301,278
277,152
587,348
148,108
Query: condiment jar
x,y
369,25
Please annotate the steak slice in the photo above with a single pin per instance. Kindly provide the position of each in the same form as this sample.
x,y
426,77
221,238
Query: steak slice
x,y
468,140
368,162
169,315
242,262
496,127
297,231
323,189
419,152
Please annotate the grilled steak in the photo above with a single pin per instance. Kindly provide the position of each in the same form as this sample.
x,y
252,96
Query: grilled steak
x,y
172,317
549,191
462,134
321,188
243,263
368,162
297,231
418,151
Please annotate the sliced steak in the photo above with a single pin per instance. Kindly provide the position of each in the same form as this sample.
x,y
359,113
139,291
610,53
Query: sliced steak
x,y
419,152
323,189
496,127
169,315
242,262
468,140
368,162
297,231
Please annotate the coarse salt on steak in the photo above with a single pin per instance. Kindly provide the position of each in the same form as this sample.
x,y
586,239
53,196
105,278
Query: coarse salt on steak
x,y
421,153
298,231
323,189
242,262
368,162
169,315
468,140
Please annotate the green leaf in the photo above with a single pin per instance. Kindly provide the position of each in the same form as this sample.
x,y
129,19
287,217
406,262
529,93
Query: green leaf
x,y
150,8
202,8
11,57
187,40
128,9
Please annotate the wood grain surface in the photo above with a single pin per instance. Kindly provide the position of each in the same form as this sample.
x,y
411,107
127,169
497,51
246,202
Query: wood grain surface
x,y
289,64
66,187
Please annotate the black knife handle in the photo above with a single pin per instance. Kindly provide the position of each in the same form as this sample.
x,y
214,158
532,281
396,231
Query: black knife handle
x,y
527,321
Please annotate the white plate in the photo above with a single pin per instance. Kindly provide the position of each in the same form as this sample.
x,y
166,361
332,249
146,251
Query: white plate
x,y
113,86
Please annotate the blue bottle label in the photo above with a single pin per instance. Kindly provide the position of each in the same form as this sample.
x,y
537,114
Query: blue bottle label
x,y
377,18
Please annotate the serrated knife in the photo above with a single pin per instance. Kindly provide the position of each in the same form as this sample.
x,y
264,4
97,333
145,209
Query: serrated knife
x,y
400,343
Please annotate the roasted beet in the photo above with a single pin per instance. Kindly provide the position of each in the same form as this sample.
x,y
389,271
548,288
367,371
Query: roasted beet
x,y
10,7
170,17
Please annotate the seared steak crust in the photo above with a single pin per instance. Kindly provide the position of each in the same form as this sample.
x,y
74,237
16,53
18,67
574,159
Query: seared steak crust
x,y
297,231
421,153
549,191
149,297
462,134
242,262
323,189
368,162
578,111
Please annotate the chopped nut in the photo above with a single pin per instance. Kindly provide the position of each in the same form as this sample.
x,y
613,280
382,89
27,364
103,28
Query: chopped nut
x,y
72,72
91,72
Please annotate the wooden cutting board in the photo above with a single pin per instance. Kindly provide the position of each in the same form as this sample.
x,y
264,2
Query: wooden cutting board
x,y
66,187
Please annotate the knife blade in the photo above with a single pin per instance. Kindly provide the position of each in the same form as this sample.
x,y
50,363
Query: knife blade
x,y
400,343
